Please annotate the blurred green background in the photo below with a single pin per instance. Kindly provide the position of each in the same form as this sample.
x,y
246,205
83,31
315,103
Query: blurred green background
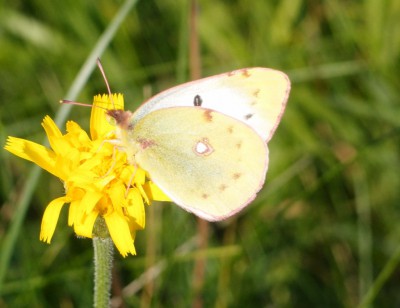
x,y
324,230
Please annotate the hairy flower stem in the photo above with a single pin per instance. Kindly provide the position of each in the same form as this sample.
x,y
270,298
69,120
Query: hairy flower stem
x,y
103,260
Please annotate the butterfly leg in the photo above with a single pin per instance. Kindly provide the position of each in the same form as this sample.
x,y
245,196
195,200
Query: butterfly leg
x,y
130,181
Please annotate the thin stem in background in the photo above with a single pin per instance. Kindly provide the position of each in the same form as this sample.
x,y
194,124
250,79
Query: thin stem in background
x,y
363,207
194,47
202,225
153,226
390,267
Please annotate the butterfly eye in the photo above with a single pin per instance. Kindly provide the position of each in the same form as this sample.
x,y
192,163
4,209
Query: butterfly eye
x,y
197,101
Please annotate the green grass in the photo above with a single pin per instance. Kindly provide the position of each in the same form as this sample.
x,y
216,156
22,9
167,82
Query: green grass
x,y
324,230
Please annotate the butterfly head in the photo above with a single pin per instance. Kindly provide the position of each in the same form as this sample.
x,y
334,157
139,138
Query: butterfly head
x,y
122,118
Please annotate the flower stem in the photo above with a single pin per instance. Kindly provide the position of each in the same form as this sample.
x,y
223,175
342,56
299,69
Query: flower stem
x,y
103,257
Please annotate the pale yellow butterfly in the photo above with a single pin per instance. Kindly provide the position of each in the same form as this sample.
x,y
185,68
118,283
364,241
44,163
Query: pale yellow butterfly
x,y
204,143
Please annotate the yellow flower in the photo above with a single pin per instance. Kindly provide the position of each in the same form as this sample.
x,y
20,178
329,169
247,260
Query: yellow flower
x,y
95,176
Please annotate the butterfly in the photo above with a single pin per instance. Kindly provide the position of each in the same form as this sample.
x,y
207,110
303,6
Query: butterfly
x,y
204,143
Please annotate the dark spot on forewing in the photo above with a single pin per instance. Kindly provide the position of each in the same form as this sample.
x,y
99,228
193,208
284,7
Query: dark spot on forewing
x,y
197,101
248,116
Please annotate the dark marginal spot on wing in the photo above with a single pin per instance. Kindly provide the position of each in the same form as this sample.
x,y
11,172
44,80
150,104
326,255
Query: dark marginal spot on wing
x,y
197,101
222,187
230,129
239,145
245,73
248,116
236,175
204,196
208,115
256,92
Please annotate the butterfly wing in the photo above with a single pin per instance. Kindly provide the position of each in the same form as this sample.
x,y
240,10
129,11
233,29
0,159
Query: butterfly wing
x,y
206,162
256,96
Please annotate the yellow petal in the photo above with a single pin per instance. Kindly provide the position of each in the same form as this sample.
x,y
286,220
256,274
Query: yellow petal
x,y
89,201
99,125
154,192
135,208
120,234
80,209
140,176
117,192
60,146
85,228
73,212
50,218
76,135
34,152
17,147
144,194
67,162
52,131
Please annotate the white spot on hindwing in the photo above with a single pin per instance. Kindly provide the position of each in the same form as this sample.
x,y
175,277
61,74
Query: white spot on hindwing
x,y
203,147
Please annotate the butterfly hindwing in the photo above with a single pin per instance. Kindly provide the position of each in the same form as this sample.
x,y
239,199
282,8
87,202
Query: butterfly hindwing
x,y
206,162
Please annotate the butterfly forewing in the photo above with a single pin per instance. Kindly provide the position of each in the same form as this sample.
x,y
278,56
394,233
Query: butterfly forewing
x,y
256,96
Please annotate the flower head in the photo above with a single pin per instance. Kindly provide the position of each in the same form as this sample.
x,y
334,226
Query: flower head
x,y
97,178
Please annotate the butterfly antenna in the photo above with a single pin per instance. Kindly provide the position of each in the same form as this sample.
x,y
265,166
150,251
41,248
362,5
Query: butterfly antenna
x,y
105,80
68,102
